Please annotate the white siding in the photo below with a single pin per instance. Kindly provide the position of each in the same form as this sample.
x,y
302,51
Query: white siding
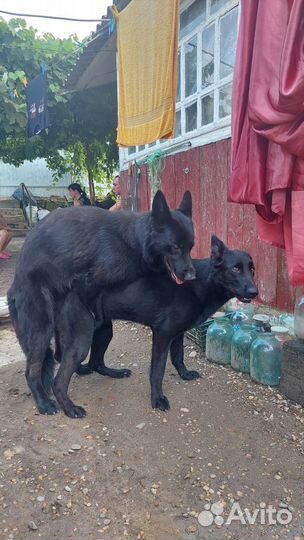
x,y
35,175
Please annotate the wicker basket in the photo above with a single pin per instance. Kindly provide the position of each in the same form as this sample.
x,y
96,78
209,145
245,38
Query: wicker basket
x,y
198,334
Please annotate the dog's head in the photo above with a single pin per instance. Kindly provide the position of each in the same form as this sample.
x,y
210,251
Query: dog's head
x,y
233,270
172,236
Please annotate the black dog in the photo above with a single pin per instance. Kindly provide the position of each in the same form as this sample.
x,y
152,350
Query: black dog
x,y
156,302
82,250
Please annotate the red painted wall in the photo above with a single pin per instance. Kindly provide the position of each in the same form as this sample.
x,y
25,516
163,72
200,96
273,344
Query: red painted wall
x,y
205,172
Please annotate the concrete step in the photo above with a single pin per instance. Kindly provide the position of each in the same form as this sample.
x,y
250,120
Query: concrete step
x,y
20,233
14,217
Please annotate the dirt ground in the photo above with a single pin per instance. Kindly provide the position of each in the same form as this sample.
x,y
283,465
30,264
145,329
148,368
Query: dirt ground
x,y
127,472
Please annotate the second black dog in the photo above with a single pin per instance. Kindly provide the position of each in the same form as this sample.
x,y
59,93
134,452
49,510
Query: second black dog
x,y
157,302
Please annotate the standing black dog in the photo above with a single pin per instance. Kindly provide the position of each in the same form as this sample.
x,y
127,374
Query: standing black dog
x,y
74,252
156,302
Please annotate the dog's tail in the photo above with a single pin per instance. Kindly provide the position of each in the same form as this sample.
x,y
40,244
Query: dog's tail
x,y
32,314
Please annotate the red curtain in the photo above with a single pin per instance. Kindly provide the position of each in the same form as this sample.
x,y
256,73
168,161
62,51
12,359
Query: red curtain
x,y
268,124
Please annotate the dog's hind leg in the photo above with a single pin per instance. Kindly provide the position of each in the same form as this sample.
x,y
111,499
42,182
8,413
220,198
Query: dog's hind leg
x,y
177,359
101,340
75,333
36,379
33,322
48,369
160,349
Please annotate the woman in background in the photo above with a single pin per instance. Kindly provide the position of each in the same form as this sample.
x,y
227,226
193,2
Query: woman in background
x,y
78,195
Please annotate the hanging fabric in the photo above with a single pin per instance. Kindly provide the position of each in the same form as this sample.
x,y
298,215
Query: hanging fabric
x,y
268,124
147,39
37,105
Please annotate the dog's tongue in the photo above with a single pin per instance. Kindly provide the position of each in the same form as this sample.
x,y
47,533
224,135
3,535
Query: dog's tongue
x,y
177,280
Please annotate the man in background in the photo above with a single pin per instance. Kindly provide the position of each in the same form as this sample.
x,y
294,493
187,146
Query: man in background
x,y
116,190
112,200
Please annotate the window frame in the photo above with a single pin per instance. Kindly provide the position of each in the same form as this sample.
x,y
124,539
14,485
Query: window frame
x,y
220,128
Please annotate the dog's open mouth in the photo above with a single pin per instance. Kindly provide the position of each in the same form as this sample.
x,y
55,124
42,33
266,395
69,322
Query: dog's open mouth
x,y
245,300
172,274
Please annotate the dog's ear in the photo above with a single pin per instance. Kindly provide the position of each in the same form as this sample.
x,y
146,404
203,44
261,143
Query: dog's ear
x,y
161,214
186,204
217,250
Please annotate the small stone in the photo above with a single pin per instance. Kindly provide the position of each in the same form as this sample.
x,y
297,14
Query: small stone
x,y
191,529
69,504
278,477
141,426
32,526
183,409
106,521
85,491
40,498
193,354
76,447
153,491
67,488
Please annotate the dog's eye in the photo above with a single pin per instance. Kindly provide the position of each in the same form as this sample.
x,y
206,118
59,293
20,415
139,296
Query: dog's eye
x,y
175,250
237,268
252,270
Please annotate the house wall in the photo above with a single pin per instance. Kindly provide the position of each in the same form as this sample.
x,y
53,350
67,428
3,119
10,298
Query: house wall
x,y
205,171
35,175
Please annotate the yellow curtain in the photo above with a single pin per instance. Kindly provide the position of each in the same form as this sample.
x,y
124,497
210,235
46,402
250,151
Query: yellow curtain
x,y
147,37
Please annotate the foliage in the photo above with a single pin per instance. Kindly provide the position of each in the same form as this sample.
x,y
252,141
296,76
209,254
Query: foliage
x,y
22,55
81,139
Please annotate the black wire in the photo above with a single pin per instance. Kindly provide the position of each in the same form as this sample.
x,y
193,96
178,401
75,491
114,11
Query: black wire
x,y
52,17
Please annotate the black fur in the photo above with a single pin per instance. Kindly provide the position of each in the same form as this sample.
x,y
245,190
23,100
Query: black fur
x,y
156,302
75,252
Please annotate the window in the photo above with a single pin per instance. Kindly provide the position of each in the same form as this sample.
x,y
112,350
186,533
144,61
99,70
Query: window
x,y
191,67
208,35
191,17
208,56
207,109
225,101
178,129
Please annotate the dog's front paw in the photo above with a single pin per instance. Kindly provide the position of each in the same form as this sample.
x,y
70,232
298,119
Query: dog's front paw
x,y
84,370
48,406
161,403
75,412
189,375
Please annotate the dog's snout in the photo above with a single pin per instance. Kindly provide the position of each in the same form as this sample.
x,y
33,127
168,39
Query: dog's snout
x,y
190,274
252,292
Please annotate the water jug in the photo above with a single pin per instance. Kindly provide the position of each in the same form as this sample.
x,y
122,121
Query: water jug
x,y
218,341
266,359
240,346
299,313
